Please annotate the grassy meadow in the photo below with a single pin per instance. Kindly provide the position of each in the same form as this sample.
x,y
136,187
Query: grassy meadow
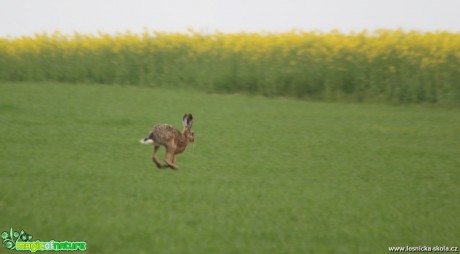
x,y
266,175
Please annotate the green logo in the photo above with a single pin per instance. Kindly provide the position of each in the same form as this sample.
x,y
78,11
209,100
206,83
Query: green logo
x,y
21,241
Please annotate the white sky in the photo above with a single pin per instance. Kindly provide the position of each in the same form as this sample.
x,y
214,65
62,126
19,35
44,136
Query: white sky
x,y
26,17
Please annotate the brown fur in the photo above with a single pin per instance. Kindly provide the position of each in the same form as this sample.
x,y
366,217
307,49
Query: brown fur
x,y
172,139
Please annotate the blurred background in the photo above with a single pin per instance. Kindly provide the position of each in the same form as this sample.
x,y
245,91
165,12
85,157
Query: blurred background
x,y
392,51
26,17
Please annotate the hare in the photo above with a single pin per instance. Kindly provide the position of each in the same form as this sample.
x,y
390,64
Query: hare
x,y
172,139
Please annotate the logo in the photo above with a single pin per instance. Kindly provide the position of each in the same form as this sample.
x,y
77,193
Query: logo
x,y
22,241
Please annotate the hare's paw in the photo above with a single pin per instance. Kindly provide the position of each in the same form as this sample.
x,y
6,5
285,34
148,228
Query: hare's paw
x,y
170,165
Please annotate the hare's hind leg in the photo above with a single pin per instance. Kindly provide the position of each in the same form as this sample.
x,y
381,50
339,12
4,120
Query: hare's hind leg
x,y
154,156
170,158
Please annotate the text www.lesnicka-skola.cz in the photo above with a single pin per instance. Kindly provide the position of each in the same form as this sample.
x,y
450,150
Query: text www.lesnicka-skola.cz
x,y
422,249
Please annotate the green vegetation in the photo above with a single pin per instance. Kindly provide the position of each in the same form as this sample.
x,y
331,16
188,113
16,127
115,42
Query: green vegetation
x,y
265,175
386,66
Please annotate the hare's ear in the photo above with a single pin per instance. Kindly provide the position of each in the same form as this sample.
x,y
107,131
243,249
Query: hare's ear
x,y
187,120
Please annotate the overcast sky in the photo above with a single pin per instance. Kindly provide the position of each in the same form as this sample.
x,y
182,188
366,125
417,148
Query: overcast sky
x,y
26,17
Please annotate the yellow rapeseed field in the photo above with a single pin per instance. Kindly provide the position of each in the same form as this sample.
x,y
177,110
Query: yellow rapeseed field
x,y
390,65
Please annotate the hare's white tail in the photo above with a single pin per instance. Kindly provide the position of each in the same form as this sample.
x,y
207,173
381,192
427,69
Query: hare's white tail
x,y
148,140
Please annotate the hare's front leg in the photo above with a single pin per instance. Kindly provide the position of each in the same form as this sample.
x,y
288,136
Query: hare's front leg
x,y
169,158
154,156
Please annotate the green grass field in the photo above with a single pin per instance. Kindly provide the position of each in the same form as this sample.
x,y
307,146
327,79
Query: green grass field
x,y
265,175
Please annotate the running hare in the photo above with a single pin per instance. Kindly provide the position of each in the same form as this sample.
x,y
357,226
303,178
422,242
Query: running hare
x,y
172,139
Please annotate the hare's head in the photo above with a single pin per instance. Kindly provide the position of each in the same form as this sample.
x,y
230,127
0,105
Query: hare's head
x,y
187,121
